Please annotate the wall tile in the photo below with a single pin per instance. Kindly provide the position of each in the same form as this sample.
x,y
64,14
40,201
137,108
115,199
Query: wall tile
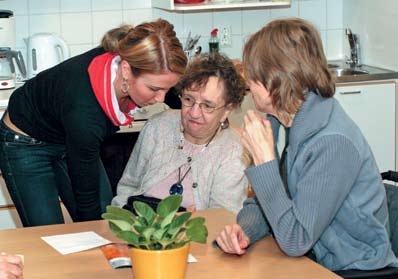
x,y
314,11
44,23
44,6
334,18
19,7
104,21
77,28
254,20
136,4
334,45
200,23
136,17
75,6
22,30
83,22
79,49
106,5
231,19
177,19
292,11
235,50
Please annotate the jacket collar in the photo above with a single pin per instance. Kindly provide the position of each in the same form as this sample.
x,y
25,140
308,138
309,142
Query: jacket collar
x,y
312,116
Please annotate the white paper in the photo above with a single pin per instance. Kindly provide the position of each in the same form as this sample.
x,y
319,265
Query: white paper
x,y
75,242
192,259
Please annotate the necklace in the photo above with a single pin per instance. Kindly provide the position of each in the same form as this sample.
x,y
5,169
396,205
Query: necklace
x,y
177,188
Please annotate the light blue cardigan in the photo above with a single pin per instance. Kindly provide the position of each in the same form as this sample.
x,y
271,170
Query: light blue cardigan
x,y
338,206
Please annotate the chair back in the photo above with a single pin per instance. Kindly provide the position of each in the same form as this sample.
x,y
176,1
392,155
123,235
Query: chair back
x,y
392,202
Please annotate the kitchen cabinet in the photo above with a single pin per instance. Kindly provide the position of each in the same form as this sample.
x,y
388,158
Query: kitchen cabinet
x,y
372,106
217,5
9,218
8,214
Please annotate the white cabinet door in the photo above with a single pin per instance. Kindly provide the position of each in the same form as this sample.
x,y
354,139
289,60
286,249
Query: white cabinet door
x,y
9,219
372,107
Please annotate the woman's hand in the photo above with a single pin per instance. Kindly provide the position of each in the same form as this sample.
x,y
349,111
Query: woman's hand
x,y
233,240
257,138
10,267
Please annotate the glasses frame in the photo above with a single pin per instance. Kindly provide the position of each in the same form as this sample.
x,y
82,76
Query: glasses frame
x,y
199,104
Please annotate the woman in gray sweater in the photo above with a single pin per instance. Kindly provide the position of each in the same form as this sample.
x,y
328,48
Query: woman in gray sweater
x,y
192,152
324,197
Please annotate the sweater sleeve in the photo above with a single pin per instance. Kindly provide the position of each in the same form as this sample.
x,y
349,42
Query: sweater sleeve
x,y
131,180
84,134
230,183
330,166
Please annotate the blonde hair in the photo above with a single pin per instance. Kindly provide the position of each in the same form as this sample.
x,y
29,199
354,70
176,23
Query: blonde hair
x,y
151,47
287,57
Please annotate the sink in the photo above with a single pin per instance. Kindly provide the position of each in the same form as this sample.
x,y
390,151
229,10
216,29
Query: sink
x,y
330,66
339,72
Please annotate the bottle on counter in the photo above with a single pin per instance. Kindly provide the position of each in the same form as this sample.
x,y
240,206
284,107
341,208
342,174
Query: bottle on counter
x,y
214,42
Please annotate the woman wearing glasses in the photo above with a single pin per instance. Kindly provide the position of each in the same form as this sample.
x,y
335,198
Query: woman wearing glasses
x,y
192,152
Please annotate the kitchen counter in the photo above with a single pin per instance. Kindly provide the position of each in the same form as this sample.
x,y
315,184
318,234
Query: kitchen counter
x,y
5,95
374,73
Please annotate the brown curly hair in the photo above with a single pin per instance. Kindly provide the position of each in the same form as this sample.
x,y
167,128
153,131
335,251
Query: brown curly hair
x,y
205,66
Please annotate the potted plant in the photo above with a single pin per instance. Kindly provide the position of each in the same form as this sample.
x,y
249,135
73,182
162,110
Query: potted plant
x,y
159,241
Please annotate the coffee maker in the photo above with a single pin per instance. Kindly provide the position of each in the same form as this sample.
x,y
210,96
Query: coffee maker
x,y
9,57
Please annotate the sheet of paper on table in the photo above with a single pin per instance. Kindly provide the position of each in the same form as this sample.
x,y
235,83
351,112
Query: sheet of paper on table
x,y
75,242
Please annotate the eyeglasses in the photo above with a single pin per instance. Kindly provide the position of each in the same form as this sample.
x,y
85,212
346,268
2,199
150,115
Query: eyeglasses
x,y
188,101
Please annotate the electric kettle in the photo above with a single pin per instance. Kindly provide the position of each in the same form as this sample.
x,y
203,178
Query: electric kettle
x,y
45,50
7,67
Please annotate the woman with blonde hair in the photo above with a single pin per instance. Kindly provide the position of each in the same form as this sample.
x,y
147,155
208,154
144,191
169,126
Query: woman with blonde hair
x,y
51,134
323,197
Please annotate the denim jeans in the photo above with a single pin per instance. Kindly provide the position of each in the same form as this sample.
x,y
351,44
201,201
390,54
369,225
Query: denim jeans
x,y
36,175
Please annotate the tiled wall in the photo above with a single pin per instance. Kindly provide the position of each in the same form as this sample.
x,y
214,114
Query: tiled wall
x,y
376,23
83,22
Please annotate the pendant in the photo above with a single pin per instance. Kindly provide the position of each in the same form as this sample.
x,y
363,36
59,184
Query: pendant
x,y
176,189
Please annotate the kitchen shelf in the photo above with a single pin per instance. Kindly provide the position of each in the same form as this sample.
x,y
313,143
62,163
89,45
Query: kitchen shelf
x,y
209,5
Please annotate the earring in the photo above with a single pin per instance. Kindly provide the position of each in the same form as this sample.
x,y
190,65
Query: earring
x,y
225,124
125,86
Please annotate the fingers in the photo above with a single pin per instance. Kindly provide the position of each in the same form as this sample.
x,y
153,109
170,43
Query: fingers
x,y
233,240
257,138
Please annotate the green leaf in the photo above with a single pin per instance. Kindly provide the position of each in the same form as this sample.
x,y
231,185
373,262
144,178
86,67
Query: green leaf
x,y
195,222
158,234
130,237
145,211
139,229
115,229
168,219
180,220
117,213
147,233
168,205
123,225
197,234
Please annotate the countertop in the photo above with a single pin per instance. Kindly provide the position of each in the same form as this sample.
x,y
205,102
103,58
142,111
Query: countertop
x,y
374,73
5,95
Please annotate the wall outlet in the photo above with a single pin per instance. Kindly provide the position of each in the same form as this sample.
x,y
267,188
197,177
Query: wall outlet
x,y
225,35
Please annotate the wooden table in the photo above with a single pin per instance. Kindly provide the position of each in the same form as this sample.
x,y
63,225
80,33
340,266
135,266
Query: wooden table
x,y
263,260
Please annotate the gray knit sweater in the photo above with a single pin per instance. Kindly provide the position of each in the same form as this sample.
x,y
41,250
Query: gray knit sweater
x,y
218,171
338,206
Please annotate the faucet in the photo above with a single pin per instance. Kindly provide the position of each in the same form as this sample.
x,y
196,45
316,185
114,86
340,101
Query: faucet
x,y
353,40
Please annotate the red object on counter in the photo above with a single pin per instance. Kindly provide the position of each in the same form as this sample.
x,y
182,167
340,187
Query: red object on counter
x,y
188,1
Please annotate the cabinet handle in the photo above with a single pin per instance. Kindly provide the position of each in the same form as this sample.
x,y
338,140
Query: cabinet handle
x,y
350,92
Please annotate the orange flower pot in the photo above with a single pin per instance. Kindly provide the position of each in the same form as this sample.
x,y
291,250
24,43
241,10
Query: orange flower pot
x,y
159,264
